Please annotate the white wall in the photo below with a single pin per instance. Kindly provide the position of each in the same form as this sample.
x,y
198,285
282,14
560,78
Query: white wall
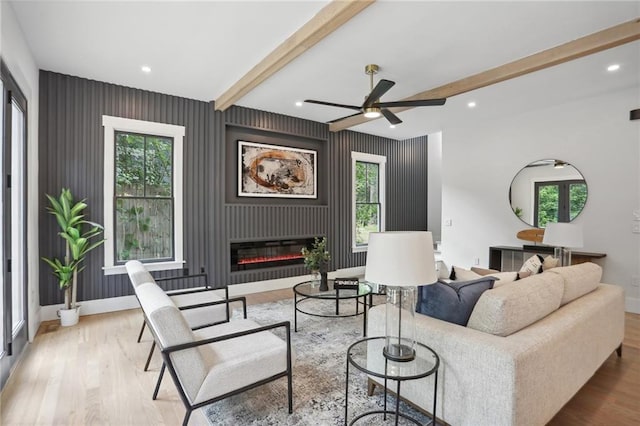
x,y
434,185
595,135
17,55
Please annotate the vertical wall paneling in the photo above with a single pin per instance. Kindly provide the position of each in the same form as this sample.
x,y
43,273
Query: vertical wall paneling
x,y
71,155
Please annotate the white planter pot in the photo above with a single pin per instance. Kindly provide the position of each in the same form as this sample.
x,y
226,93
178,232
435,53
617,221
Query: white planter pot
x,y
69,317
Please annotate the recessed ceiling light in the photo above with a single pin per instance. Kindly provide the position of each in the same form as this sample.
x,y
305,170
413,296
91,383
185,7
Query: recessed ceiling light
x,y
146,69
392,126
471,104
613,67
298,103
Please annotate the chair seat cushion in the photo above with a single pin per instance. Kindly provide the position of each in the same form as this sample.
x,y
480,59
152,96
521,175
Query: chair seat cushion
x,y
241,361
206,315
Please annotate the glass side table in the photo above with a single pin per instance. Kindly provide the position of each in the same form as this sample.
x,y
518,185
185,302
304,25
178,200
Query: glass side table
x,y
310,290
366,355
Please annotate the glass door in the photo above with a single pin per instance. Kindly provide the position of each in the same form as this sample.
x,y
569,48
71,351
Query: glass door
x,y
13,300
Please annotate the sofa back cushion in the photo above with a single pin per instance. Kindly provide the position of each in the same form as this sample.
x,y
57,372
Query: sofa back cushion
x,y
578,280
509,308
451,301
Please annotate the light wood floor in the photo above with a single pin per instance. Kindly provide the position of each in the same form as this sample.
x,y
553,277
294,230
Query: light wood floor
x,y
93,374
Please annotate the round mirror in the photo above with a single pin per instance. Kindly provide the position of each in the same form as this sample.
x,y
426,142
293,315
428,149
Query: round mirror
x,y
548,191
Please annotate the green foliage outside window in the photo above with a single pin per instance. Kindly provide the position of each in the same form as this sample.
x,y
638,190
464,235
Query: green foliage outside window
x,y
367,200
547,204
549,200
577,199
144,197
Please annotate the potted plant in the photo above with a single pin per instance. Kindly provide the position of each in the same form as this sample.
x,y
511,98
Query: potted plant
x,y
317,259
77,234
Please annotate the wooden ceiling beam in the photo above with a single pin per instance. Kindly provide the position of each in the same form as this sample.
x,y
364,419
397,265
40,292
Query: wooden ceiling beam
x,y
578,48
326,21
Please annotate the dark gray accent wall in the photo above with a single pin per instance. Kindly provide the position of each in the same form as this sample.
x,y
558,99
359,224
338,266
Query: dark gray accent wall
x,y
71,155
406,188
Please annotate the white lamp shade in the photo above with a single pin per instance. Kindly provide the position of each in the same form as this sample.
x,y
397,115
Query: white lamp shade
x,y
401,259
563,235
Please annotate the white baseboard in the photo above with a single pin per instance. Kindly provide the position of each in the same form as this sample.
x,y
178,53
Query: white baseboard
x,y
91,307
632,304
113,304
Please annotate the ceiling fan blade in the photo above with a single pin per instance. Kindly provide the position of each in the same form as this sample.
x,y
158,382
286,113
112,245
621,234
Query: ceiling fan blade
x,y
391,117
342,118
381,88
311,101
419,103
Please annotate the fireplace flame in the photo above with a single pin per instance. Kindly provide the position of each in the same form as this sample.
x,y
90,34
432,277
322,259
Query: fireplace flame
x,y
265,259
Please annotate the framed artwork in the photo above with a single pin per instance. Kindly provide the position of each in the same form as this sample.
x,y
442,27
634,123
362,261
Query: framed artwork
x,y
276,171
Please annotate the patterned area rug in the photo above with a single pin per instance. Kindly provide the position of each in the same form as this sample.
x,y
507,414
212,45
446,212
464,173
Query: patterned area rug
x,y
320,346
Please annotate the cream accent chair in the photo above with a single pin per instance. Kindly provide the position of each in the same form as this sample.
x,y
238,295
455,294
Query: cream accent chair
x,y
215,362
202,307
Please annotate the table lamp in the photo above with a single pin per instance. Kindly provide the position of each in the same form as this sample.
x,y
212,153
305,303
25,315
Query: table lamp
x,y
400,261
564,237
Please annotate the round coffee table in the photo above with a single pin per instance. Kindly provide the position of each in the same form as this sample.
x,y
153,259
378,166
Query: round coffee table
x,y
310,290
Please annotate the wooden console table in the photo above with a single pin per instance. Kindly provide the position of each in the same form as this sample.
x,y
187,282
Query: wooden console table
x,y
508,258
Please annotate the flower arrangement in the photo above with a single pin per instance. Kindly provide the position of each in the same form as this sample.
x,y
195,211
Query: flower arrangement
x,y
317,257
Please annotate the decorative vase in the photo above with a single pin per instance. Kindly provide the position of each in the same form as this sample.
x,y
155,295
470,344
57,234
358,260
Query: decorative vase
x,y
69,317
315,278
324,285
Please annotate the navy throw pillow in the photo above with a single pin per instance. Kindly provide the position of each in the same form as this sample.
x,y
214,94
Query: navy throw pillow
x,y
454,301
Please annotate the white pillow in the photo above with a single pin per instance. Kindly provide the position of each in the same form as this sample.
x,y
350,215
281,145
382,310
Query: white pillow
x,y
533,264
461,274
443,270
550,262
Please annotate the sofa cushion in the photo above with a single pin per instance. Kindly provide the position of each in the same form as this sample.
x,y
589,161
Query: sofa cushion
x,y
503,278
452,302
578,280
509,308
462,274
483,271
550,262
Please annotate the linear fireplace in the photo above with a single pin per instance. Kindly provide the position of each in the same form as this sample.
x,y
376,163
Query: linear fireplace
x,y
248,255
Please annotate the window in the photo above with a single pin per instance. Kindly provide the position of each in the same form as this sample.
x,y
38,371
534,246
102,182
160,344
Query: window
x,y
13,219
368,189
143,194
558,201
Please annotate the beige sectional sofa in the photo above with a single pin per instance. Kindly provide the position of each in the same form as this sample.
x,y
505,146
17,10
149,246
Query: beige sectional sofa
x,y
529,346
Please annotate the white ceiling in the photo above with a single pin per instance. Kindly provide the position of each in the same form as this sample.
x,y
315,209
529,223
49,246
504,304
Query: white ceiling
x,y
199,49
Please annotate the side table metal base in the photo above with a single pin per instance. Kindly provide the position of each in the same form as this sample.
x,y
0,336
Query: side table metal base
x,y
427,362
393,413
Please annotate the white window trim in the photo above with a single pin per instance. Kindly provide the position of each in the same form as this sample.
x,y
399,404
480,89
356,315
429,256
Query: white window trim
x,y
369,158
111,124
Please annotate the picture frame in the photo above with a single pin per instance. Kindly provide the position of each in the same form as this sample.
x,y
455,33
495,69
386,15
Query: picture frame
x,y
276,171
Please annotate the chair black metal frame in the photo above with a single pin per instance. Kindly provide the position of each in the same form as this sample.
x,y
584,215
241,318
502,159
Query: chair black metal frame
x,y
166,355
206,288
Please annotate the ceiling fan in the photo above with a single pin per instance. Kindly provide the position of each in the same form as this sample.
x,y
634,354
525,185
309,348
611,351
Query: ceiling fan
x,y
372,107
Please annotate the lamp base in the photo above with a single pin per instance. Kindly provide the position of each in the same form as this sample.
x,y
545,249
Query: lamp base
x,y
400,353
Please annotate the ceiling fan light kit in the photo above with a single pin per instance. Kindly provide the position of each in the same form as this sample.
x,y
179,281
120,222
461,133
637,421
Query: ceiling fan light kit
x,y
372,112
372,107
